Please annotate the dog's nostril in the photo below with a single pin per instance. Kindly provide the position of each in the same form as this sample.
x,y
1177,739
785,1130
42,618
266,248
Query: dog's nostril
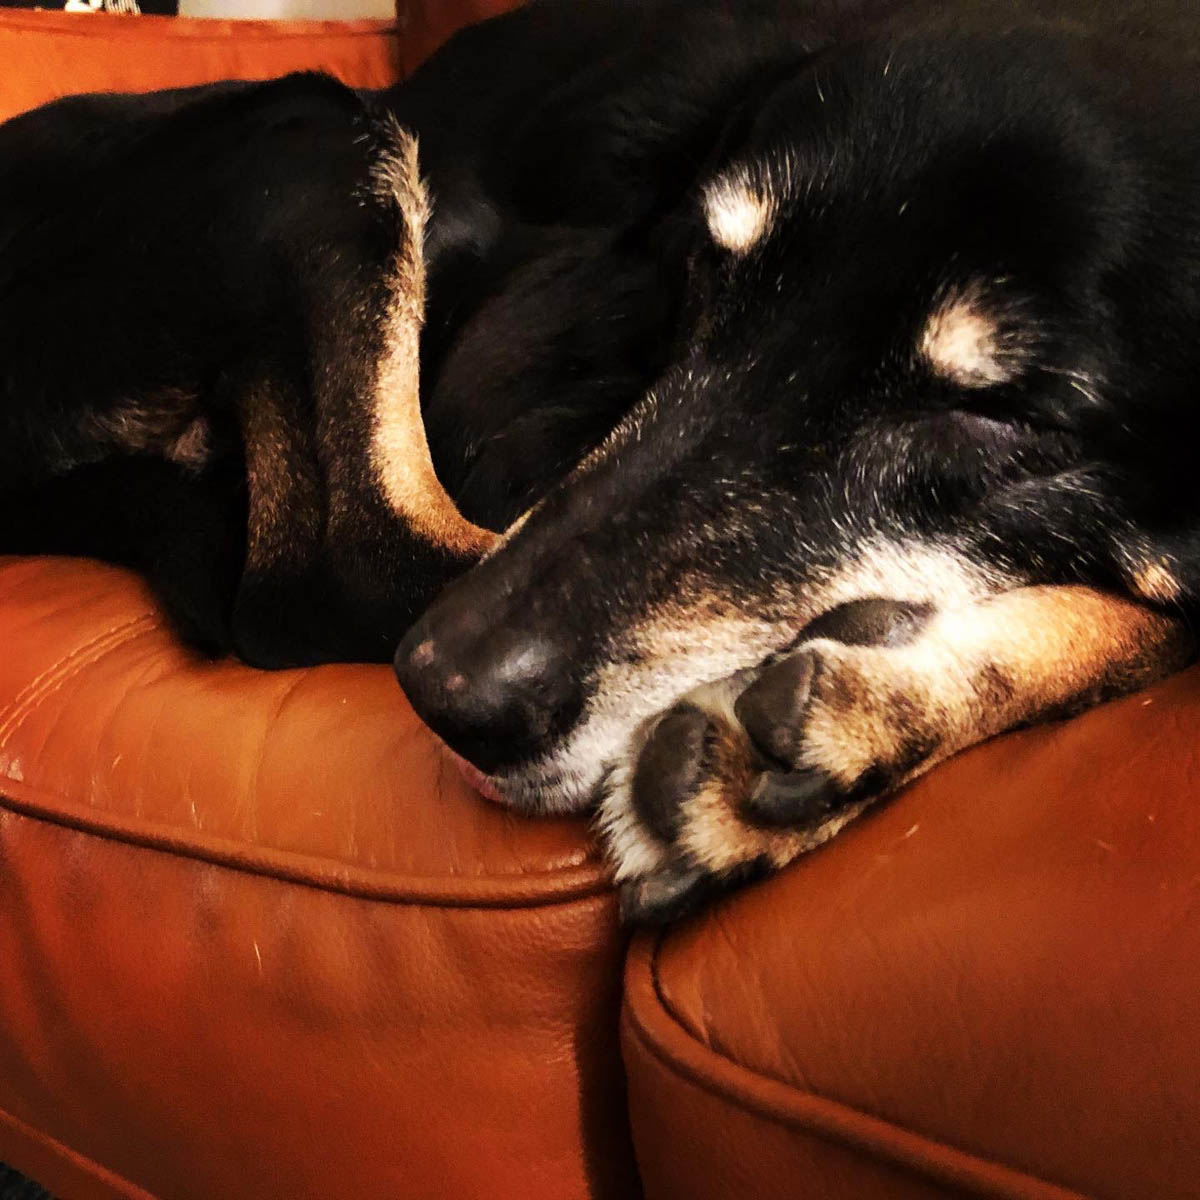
x,y
494,697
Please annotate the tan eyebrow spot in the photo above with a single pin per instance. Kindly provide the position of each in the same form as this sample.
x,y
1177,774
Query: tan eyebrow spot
x,y
1155,581
739,214
965,343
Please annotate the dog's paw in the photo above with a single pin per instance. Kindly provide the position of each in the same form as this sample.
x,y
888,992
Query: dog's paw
x,y
742,776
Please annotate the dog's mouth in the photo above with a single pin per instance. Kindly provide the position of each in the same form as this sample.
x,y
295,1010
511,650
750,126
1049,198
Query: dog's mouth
x,y
567,772
486,785
537,790
530,790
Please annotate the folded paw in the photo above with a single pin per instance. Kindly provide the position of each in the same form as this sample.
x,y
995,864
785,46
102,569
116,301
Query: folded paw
x,y
741,776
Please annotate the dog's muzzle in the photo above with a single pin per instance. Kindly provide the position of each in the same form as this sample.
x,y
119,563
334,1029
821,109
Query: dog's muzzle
x,y
494,692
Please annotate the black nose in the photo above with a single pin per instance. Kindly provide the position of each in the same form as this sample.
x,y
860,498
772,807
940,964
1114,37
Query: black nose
x,y
496,695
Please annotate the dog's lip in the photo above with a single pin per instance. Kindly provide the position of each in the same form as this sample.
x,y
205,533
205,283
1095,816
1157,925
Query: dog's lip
x,y
480,782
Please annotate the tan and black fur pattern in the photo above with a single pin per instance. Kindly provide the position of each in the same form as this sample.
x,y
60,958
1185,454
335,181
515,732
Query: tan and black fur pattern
x,y
242,420
805,390
915,467
875,693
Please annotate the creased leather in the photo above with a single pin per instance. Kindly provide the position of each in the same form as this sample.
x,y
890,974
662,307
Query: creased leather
x,y
999,968
259,939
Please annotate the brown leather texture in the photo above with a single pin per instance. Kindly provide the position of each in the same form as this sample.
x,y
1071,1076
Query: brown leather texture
x,y
51,54
990,987
259,939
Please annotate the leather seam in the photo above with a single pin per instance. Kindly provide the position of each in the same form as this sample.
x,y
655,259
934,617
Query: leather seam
x,y
516,891
813,1124
47,682
77,1159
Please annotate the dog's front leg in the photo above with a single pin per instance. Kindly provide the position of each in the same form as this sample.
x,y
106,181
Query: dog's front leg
x,y
393,535
746,774
350,531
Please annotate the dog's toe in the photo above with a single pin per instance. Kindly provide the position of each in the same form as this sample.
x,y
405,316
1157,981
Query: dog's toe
x,y
792,799
728,783
670,768
772,708
664,897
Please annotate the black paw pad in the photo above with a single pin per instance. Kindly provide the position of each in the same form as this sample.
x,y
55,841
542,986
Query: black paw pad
x,y
667,896
875,622
793,799
669,769
681,890
772,708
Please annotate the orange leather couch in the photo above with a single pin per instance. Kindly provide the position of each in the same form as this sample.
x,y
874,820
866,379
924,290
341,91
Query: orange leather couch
x,y
258,940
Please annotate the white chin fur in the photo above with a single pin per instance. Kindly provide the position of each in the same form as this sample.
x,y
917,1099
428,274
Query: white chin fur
x,y
568,778
629,846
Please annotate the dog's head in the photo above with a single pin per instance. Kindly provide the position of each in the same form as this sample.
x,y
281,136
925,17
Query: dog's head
x,y
891,276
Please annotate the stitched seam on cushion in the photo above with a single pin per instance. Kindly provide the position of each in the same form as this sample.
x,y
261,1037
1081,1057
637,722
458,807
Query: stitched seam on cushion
x,y
47,682
384,890
78,1159
15,705
815,1126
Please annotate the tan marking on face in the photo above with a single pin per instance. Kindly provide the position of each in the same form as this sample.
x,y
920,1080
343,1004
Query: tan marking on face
x,y
964,342
1155,581
739,214
399,449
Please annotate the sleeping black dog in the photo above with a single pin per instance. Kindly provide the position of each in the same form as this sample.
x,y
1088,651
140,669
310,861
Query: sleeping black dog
x,y
830,368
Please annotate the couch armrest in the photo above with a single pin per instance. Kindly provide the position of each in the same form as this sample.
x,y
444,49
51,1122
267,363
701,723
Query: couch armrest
x,y
988,987
51,54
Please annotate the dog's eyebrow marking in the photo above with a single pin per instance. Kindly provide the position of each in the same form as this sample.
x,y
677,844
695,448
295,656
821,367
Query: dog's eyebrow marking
x,y
739,214
1156,581
966,343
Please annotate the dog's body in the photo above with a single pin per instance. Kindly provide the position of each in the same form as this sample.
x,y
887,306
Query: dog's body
x,y
842,355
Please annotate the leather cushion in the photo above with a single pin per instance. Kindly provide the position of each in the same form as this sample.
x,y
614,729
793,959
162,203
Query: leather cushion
x,y
258,937
46,55
988,987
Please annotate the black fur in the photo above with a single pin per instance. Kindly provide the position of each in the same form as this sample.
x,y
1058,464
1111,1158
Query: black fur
x,y
774,413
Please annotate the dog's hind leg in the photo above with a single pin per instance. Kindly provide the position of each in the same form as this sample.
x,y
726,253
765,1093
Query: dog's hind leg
x,y
252,273
747,773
